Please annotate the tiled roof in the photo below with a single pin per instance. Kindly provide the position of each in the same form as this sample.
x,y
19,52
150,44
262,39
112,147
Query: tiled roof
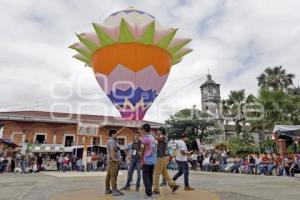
x,y
72,118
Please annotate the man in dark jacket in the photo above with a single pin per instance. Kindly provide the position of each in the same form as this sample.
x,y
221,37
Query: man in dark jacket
x,y
162,162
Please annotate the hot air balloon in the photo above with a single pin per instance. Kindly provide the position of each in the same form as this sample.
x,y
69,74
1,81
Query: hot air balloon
x,y
131,55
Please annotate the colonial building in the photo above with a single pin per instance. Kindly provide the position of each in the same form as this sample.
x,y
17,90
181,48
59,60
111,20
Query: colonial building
x,y
65,128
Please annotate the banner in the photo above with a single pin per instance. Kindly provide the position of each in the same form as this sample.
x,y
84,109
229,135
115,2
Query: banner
x,y
88,129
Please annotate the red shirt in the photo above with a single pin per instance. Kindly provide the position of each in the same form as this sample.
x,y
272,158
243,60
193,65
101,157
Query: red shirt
x,y
265,160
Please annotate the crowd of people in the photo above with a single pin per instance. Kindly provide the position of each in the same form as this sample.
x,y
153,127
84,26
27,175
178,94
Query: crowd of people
x,y
17,162
264,164
95,162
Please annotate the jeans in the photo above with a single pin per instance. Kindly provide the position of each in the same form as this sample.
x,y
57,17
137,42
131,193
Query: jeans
x,y
235,168
1,167
270,168
262,168
252,169
89,166
183,168
222,167
148,178
65,167
207,167
24,165
134,164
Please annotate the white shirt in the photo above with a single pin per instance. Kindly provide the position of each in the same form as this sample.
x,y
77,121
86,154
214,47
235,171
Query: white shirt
x,y
181,146
206,161
194,156
89,159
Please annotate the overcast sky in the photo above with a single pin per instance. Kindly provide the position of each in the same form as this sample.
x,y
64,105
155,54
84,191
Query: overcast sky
x,y
235,40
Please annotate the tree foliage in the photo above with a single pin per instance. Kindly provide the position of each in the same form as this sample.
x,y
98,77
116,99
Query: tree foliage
x,y
234,106
243,144
275,78
194,123
278,98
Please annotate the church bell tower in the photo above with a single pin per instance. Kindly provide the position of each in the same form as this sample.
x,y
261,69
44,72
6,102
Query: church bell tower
x,y
210,97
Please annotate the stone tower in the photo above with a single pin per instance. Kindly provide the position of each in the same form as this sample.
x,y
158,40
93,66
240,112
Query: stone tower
x,y
210,97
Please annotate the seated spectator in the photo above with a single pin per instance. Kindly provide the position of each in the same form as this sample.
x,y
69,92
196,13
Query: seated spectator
x,y
223,164
263,167
257,163
272,165
236,166
230,165
207,163
287,163
215,162
244,166
251,165
294,166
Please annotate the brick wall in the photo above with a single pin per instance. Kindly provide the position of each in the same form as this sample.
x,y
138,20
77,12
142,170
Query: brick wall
x,y
18,131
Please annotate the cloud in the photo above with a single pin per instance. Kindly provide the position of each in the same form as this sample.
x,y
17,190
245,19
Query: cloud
x,y
235,40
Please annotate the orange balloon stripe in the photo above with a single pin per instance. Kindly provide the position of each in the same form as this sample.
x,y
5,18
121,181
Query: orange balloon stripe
x,y
134,56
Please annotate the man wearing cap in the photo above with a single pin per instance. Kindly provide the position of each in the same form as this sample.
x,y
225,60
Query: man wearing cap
x,y
113,157
182,161
162,162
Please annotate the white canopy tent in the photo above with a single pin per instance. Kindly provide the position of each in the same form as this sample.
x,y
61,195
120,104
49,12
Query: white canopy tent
x,y
288,130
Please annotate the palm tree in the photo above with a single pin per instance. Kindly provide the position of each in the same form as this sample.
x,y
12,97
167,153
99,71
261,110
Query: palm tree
x,y
279,108
233,107
275,78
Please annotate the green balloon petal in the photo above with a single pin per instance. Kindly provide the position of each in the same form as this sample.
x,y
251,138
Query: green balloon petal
x,y
148,35
83,59
89,44
125,34
82,51
177,47
104,38
178,57
174,62
165,41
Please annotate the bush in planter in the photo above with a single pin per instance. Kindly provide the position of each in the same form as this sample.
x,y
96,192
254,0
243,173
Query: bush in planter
x,y
240,146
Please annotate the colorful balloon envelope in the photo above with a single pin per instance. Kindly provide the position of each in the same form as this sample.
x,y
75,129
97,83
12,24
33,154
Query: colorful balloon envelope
x,y
131,55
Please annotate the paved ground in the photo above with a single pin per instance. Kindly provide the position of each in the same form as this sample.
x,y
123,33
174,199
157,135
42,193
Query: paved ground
x,y
53,186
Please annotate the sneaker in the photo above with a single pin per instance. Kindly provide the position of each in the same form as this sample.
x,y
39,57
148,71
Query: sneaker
x,y
147,196
156,192
125,188
108,191
117,193
189,188
176,187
